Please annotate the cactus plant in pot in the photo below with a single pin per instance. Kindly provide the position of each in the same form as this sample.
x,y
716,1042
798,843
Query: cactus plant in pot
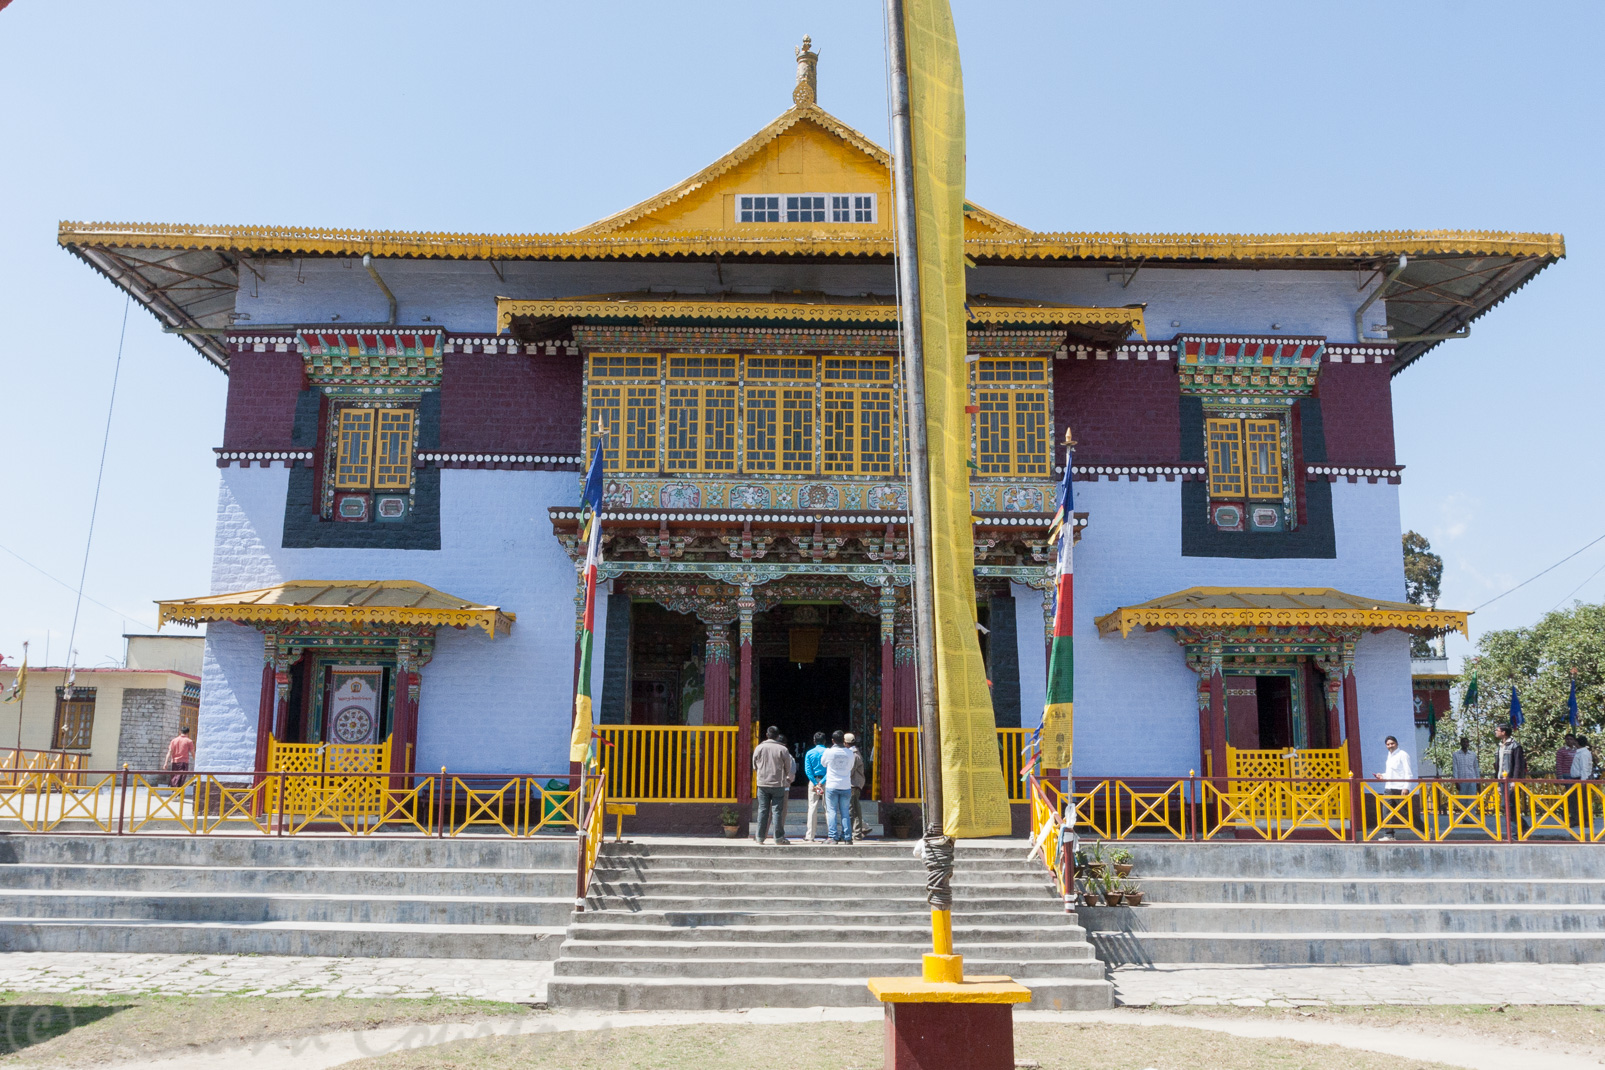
x,y
730,818
1120,858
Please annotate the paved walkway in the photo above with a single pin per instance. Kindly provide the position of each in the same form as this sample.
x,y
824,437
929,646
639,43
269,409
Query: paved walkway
x,y
1280,986
520,981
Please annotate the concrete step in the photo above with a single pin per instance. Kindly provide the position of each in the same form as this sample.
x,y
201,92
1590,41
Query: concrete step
x,y
715,914
906,965
1352,918
281,938
247,908
334,880
822,933
1423,891
1310,860
824,903
461,852
1028,944
643,993
1340,948
826,884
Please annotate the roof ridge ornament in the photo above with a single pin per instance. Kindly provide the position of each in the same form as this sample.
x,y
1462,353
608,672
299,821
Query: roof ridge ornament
x,y
807,89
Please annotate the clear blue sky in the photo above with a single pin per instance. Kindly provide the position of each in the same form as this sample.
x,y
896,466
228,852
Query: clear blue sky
x,y
544,116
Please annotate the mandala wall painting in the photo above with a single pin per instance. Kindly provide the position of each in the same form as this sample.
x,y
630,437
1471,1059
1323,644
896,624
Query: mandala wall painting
x,y
354,704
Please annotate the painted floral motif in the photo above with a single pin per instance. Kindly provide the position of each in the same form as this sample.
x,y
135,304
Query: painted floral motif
x,y
679,496
1022,500
888,498
747,496
818,496
616,494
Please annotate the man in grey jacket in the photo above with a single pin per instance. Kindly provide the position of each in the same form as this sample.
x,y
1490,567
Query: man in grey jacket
x,y
773,769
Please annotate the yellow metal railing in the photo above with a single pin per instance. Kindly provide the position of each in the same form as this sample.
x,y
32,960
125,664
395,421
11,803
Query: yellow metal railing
x,y
906,783
16,762
340,792
670,763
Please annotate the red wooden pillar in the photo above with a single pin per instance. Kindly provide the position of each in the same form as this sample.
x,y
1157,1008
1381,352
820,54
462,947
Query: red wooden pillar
x,y
1217,720
264,714
745,606
404,732
716,675
1206,735
1351,717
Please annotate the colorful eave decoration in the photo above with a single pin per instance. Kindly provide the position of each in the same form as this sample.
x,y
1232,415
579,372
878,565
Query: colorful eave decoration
x,y
824,311
353,602
1209,608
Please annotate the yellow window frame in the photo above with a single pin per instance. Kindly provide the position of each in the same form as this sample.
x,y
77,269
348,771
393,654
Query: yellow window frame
x,y
798,406
761,419
1262,452
1224,439
353,466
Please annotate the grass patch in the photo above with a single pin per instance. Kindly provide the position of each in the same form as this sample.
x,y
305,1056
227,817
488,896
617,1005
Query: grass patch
x,y
83,1029
1573,1030
857,1046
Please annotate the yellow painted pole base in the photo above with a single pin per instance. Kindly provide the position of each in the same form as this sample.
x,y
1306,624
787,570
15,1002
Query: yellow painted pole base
x,y
944,969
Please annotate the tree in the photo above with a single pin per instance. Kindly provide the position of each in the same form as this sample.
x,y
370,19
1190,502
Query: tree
x,y
1539,661
1423,574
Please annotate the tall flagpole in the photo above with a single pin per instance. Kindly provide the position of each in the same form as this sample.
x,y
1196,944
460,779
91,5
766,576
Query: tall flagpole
x,y
937,888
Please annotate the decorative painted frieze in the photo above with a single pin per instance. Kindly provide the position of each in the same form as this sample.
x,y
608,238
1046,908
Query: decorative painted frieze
x,y
370,357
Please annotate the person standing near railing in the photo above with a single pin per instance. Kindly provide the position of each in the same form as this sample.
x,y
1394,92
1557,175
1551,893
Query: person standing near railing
x,y
838,762
1397,778
773,771
1512,765
856,806
180,753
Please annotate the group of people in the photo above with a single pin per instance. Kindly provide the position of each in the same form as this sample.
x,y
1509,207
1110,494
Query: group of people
x,y
1574,760
835,774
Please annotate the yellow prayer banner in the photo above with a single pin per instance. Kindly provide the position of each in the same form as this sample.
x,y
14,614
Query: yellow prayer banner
x,y
974,802
579,741
1058,734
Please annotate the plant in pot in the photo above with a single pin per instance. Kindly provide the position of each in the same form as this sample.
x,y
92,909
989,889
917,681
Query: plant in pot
x,y
1089,893
730,818
1121,860
1133,895
1113,890
1094,866
900,820
1081,863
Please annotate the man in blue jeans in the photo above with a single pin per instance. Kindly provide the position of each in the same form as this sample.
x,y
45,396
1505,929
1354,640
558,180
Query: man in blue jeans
x,y
814,769
838,763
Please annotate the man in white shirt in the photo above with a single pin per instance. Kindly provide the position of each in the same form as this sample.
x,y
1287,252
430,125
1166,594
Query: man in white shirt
x,y
1397,777
838,763
1466,768
1583,760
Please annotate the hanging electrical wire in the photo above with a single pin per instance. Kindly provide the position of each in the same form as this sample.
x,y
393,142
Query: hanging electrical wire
x,y
1546,571
94,505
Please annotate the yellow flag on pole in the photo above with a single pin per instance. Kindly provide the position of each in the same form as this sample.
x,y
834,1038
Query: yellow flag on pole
x,y
975,802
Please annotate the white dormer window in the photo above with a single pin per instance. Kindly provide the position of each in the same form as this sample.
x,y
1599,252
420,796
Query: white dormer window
x,y
852,208
806,208
760,209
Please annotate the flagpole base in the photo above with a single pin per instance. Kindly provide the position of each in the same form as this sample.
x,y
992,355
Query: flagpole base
x,y
949,1026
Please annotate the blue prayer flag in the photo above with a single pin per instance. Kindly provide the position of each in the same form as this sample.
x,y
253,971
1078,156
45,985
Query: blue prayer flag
x,y
1571,705
1516,719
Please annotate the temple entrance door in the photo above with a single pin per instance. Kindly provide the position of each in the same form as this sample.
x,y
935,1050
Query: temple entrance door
x,y
1242,712
804,699
1275,699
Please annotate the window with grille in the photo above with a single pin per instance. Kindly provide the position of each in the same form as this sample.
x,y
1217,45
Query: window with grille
x,y
805,208
763,453
374,449
759,209
1245,458
699,431
75,718
640,447
858,416
623,399
852,208
1012,435
797,430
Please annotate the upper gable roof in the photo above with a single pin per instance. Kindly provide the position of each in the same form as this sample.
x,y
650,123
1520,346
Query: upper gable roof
x,y
804,150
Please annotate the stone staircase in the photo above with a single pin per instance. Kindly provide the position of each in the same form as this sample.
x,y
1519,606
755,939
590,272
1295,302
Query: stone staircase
x,y
713,925
469,897
1373,903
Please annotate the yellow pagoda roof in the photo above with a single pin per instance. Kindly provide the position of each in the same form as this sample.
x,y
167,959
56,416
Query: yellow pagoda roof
x,y
341,601
1284,607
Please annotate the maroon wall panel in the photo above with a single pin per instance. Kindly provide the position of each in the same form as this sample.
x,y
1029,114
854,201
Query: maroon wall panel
x,y
510,404
1123,411
1357,411
262,388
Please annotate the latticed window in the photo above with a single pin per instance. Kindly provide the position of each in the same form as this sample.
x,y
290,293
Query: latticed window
x,y
794,368
1262,451
797,429
759,209
763,454
1012,417
374,449
852,208
702,366
700,429
840,430
624,366
606,416
805,208
640,447
876,423
1225,440
354,463
75,718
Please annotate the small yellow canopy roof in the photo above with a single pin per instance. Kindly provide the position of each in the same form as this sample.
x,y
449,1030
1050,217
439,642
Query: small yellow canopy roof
x,y
1284,607
342,601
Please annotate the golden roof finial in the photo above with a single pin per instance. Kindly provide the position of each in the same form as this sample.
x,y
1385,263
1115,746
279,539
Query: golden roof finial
x,y
807,90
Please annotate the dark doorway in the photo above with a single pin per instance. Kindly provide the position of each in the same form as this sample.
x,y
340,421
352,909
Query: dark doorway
x,y
1275,711
804,699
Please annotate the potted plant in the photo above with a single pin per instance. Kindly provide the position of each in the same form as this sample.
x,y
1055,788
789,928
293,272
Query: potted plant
x,y
1089,894
1113,890
1121,860
1094,866
1133,895
900,820
1081,863
730,818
